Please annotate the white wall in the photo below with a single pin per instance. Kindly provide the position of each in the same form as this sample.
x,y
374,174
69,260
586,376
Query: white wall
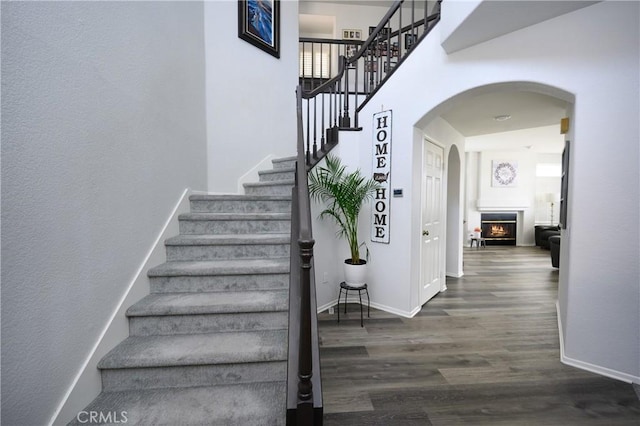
x,y
251,104
531,146
527,196
347,16
103,128
519,198
329,250
601,277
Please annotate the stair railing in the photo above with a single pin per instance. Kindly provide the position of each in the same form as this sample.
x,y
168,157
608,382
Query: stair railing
x,y
319,59
304,388
321,113
333,104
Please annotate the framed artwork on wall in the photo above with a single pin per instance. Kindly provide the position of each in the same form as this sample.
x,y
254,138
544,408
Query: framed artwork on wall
x,y
384,32
504,173
410,40
388,66
348,34
259,24
371,66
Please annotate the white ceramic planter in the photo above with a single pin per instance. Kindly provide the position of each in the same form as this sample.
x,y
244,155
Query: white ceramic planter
x,y
355,275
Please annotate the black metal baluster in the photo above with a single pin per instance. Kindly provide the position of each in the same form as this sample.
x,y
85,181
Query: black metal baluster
x,y
308,154
329,133
355,102
336,100
315,127
313,71
322,123
400,44
413,20
346,121
426,13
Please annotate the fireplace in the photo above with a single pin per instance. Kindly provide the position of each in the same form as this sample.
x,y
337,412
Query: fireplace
x,y
499,228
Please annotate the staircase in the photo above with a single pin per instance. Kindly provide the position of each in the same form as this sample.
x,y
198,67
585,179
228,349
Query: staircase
x,y
209,344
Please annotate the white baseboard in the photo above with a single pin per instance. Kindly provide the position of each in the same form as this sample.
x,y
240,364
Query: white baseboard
x,y
592,368
327,306
405,314
87,383
458,274
252,175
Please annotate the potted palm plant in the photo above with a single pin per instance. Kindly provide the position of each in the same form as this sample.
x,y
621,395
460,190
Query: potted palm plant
x,y
345,194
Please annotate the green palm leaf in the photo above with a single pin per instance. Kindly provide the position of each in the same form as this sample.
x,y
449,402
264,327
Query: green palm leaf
x,y
345,194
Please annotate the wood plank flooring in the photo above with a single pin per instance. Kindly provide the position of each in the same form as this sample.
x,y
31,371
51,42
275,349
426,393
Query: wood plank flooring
x,y
485,352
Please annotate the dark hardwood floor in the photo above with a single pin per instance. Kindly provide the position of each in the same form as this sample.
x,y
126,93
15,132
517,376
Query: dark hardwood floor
x,y
485,352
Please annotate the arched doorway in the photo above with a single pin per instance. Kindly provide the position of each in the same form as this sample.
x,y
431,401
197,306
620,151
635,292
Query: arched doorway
x,y
537,105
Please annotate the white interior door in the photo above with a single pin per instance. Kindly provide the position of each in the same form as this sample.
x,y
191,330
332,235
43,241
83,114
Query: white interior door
x,y
432,227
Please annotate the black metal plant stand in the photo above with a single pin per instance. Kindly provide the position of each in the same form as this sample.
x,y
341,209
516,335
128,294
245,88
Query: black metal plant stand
x,y
346,288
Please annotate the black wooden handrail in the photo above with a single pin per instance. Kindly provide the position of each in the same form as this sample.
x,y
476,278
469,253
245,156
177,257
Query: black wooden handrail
x,y
333,104
375,34
304,388
329,41
328,111
433,18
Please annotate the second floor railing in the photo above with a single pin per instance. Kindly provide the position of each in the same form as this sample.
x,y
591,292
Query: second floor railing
x,y
319,59
340,76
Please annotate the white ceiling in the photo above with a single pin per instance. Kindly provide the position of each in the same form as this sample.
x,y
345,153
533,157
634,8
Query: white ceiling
x,y
475,116
384,3
491,19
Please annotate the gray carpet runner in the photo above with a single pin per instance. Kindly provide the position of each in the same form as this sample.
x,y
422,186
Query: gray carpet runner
x,y
208,346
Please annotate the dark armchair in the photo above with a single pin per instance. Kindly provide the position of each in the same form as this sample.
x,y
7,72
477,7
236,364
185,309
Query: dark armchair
x,y
554,247
542,234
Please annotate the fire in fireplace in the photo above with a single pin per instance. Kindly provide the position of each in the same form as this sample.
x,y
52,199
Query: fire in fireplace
x,y
499,228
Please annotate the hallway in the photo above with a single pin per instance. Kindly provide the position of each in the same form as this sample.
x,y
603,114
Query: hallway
x,y
485,352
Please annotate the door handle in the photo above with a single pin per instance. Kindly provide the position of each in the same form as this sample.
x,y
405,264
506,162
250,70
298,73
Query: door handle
x,y
425,233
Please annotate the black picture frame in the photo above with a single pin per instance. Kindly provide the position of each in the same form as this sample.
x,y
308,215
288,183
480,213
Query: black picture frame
x,y
388,66
259,24
384,32
410,40
371,66
564,185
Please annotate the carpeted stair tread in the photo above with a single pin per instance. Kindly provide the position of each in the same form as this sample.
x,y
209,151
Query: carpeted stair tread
x,y
252,404
276,161
276,171
228,239
211,303
209,345
221,267
198,349
277,175
235,216
238,197
288,182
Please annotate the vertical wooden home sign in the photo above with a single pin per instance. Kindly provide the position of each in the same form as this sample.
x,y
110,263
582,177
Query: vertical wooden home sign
x,y
382,174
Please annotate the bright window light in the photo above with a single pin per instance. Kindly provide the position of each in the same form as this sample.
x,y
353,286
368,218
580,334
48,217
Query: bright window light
x,y
318,68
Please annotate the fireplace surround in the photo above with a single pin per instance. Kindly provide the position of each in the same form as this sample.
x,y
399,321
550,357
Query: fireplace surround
x,y
499,228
